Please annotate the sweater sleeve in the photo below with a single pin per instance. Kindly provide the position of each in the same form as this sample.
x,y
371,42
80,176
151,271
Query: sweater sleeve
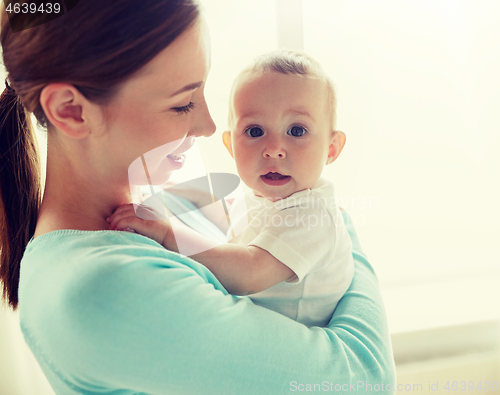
x,y
171,328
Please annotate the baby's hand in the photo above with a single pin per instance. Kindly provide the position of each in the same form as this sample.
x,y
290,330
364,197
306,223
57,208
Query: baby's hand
x,y
125,218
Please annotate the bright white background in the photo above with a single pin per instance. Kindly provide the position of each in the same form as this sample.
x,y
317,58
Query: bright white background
x,y
418,93
418,97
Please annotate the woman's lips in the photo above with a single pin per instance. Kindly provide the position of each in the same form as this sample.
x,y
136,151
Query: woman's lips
x,y
274,179
178,156
176,161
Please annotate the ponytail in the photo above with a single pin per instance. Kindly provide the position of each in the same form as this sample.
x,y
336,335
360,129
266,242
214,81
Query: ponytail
x,y
20,190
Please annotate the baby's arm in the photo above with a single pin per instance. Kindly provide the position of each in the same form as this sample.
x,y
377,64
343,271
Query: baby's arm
x,y
241,270
244,270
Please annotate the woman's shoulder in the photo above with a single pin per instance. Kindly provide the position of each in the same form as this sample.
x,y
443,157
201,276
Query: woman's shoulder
x,y
104,243
67,251
93,294
72,266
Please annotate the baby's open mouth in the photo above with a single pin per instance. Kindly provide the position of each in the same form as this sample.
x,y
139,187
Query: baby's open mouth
x,y
274,176
275,179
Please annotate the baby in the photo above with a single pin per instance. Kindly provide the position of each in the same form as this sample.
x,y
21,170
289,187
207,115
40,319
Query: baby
x,y
294,256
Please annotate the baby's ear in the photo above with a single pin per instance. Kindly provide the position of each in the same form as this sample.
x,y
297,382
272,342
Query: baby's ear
x,y
336,145
226,139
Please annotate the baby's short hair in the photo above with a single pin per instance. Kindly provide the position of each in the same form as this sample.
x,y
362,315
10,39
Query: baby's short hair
x,y
291,62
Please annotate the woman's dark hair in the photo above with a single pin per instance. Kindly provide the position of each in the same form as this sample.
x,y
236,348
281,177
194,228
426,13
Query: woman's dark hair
x,y
95,47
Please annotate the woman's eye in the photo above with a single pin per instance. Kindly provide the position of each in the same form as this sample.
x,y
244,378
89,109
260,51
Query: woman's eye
x,y
254,131
296,131
184,109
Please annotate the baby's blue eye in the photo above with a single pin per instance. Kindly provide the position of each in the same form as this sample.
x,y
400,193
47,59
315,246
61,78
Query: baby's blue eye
x,y
254,131
296,131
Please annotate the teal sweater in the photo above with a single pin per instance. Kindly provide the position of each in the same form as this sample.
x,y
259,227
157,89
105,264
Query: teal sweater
x,y
108,312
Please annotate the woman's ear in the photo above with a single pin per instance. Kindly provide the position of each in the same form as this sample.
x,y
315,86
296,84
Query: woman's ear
x,y
336,146
226,139
66,108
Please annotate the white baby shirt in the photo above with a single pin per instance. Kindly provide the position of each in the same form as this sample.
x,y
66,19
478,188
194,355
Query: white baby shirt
x,y
306,232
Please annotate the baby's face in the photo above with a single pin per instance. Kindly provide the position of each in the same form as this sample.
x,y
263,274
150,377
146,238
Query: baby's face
x,y
281,132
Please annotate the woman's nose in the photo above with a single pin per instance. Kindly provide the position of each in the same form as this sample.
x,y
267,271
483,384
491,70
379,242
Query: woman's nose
x,y
203,124
274,149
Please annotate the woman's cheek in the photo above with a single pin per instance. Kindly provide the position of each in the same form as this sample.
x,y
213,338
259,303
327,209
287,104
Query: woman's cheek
x,y
182,122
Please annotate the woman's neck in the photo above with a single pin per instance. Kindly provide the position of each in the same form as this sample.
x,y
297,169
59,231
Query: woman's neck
x,y
75,197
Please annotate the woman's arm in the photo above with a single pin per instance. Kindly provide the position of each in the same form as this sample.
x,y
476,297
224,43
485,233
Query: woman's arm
x,y
172,328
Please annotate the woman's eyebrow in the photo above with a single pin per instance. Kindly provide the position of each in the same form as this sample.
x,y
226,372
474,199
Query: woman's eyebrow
x,y
189,87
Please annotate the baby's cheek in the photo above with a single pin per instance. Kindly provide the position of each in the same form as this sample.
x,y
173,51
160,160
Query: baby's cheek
x,y
314,163
244,156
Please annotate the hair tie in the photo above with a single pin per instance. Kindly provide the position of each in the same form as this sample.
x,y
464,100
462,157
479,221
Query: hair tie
x,y
9,88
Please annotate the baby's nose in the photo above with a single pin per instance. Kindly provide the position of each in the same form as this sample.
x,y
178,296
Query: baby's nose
x,y
274,150
274,154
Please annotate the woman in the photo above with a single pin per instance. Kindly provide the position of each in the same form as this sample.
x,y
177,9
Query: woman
x,y
113,312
